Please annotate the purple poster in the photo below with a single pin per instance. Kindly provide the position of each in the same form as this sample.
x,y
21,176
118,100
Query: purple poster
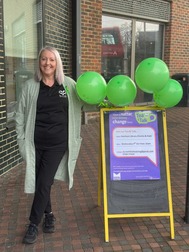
x,y
134,146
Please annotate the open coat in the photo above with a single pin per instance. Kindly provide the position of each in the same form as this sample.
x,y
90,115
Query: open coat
x,y
25,125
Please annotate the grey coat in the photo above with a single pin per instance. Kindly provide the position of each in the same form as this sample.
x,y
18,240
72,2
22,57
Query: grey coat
x,y
25,124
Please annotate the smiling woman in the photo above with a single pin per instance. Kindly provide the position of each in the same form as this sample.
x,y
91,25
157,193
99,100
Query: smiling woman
x,y
48,67
45,115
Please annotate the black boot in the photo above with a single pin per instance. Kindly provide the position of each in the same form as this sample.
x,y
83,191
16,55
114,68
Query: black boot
x,y
48,223
31,234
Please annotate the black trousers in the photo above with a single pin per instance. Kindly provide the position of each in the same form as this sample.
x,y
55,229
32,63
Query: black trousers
x,y
47,162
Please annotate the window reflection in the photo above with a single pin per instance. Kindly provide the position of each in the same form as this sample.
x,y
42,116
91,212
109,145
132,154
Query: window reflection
x,y
148,41
21,25
115,47
122,38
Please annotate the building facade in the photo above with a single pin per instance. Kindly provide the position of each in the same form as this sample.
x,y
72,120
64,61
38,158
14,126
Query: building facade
x,y
106,36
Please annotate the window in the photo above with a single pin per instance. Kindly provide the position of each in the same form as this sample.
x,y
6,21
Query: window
x,y
116,49
148,41
125,43
22,23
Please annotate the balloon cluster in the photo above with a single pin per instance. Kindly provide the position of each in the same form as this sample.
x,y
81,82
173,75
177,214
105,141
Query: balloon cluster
x,y
151,76
92,89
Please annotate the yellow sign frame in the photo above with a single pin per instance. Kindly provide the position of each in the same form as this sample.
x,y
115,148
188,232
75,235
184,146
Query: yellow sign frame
x,y
102,178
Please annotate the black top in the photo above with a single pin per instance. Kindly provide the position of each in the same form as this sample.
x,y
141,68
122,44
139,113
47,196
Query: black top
x,y
51,127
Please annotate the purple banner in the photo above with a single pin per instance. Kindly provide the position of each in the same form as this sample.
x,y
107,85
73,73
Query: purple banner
x,y
134,146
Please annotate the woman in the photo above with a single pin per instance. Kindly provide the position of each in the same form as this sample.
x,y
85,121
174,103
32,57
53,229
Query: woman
x,y
48,122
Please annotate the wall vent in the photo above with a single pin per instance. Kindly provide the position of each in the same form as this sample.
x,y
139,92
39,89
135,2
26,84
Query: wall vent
x,y
157,10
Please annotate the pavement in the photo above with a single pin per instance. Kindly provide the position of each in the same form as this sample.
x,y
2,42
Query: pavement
x,y
79,220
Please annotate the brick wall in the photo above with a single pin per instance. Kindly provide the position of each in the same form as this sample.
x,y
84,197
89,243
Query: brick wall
x,y
58,29
177,38
91,29
9,154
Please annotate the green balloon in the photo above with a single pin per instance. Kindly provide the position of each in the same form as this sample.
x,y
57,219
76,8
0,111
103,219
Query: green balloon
x,y
170,95
151,75
91,87
121,90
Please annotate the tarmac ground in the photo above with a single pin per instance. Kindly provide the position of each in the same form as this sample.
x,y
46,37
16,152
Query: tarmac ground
x,y
80,221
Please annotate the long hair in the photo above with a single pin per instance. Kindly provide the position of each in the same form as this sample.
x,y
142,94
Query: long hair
x,y
59,73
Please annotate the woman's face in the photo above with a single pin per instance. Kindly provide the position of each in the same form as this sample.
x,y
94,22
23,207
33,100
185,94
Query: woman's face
x,y
47,63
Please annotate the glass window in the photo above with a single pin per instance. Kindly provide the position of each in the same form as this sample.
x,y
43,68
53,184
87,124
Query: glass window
x,y
148,41
125,43
116,46
22,23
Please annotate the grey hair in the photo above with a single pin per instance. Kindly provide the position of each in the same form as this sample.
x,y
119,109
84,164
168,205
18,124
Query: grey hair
x,y
59,73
